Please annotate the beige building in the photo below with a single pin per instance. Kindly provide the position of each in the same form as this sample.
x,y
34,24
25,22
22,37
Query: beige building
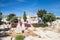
x,y
32,19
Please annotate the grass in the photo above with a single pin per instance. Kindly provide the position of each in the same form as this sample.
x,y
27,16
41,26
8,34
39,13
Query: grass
x,y
19,37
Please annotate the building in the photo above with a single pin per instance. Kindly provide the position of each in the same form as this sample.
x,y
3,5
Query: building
x,y
32,19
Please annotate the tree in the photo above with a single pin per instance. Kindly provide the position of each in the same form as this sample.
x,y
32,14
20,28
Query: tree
x,y
0,16
48,17
45,18
10,16
24,16
58,18
14,19
41,13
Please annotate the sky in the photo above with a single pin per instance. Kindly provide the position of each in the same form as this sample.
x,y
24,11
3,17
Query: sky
x,y
30,6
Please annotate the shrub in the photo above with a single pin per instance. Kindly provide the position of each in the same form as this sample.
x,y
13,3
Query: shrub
x,y
19,37
27,25
39,25
14,24
58,18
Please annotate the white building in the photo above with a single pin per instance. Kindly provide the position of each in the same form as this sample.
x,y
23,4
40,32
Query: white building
x,y
32,19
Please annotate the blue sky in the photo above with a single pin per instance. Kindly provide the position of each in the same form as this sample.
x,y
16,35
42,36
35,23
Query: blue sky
x,y
30,6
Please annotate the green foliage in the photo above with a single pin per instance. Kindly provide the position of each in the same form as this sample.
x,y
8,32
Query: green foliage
x,y
24,16
58,18
19,37
48,17
10,16
41,13
39,25
0,16
14,19
45,18
0,13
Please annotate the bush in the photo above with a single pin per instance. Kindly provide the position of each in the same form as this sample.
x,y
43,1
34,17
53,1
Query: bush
x,y
14,25
58,18
39,25
27,25
19,37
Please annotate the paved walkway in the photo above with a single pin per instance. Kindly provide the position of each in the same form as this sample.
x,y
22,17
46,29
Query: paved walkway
x,y
5,38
